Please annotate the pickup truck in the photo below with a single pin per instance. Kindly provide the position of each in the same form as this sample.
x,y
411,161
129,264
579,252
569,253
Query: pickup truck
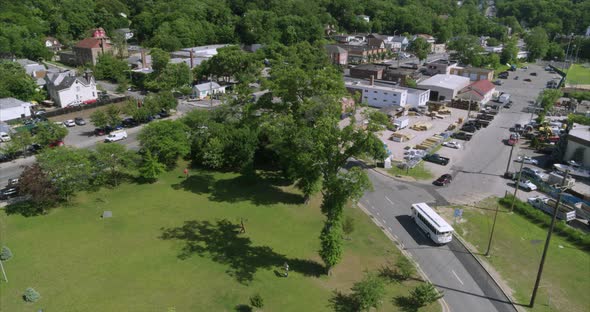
x,y
437,159
462,136
565,212
485,117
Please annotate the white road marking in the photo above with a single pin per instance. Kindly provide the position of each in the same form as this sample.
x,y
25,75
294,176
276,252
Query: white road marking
x,y
389,200
376,212
460,281
384,222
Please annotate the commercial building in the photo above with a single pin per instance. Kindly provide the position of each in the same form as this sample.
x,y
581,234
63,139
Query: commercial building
x,y
401,75
473,73
440,67
367,71
578,145
379,94
480,91
444,87
11,108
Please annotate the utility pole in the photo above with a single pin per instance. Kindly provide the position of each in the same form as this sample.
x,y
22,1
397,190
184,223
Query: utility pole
x,y
492,233
540,272
509,159
516,184
210,92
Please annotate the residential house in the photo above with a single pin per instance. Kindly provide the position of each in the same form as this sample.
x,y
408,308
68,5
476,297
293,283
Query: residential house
x,y
480,91
367,71
438,48
337,55
444,87
473,73
52,44
35,70
11,108
440,67
126,33
400,43
430,39
67,89
88,50
206,89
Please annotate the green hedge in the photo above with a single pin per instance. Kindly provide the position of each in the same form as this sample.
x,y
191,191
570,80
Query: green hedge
x,y
539,217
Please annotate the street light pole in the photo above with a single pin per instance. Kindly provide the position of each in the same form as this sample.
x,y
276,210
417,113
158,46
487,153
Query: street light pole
x,y
542,264
509,158
492,233
516,184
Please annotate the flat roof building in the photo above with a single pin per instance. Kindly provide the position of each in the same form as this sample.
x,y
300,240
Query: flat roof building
x,y
444,87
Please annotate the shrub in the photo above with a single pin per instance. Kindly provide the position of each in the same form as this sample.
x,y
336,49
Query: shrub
x,y
368,292
348,225
405,268
5,254
537,216
31,295
257,301
424,294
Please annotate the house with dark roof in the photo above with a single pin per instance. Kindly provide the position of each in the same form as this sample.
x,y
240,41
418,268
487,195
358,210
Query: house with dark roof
x,y
35,70
68,89
480,91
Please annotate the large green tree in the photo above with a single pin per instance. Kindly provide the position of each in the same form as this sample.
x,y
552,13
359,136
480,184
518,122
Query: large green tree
x,y
14,82
111,68
509,52
49,132
112,163
167,140
69,169
537,43
420,47
467,50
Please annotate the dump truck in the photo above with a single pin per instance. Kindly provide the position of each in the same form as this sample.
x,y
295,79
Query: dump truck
x,y
565,212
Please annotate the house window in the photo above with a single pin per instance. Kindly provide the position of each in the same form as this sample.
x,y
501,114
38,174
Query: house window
x,y
385,93
93,94
394,94
366,90
77,89
374,91
366,97
374,99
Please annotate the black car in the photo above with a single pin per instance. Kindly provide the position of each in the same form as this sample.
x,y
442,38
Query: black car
x,y
34,149
533,74
462,136
474,123
469,128
8,192
164,114
129,122
444,180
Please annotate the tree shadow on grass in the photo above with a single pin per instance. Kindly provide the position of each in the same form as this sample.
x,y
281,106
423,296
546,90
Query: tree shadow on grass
x,y
405,303
25,208
341,302
243,308
260,189
223,243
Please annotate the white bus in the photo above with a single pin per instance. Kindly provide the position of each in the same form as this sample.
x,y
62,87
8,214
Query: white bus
x,y
435,227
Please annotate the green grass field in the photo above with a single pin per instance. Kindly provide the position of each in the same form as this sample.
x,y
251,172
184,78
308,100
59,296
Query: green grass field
x,y
516,252
418,172
176,244
578,74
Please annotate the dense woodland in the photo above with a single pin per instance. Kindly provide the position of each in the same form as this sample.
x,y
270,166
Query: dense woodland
x,y
170,25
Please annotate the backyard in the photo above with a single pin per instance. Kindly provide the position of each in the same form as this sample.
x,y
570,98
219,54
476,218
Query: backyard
x,y
516,251
578,74
177,245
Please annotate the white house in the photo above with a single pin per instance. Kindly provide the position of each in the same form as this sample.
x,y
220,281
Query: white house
x,y
11,108
203,90
444,87
67,89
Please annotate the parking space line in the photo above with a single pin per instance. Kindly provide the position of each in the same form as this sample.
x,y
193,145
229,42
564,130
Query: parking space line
x,y
460,281
389,200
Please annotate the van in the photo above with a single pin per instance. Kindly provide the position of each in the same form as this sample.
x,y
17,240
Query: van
x,y
4,137
116,136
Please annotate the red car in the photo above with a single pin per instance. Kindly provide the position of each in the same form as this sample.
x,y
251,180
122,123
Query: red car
x,y
56,144
444,180
513,139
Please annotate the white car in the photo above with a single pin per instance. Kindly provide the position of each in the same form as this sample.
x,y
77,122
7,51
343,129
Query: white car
x,y
4,137
116,136
534,172
452,144
527,185
69,123
527,160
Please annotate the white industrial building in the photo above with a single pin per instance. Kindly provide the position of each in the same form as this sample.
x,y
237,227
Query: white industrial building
x,y
385,95
444,87
11,108
578,139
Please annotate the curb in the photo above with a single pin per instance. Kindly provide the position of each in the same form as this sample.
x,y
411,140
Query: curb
x,y
460,240
443,303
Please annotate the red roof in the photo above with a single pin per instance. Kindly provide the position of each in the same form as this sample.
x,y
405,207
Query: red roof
x,y
91,43
481,86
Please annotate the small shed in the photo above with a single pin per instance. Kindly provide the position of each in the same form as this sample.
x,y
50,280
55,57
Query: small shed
x,y
107,214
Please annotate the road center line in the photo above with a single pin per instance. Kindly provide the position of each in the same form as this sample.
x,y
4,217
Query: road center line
x,y
460,281
389,200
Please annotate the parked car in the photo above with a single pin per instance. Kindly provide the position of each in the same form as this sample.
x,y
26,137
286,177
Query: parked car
x,y
498,82
443,180
129,122
116,136
508,105
527,80
525,67
527,160
79,121
437,159
532,172
13,181
163,113
462,136
56,144
34,148
8,192
526,185
533,74
4,137
515,77
452,144
469,128
69,123
99,131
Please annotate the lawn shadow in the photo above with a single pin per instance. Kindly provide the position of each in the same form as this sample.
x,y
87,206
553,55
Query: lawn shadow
x,y
23,207
243,308
222,242
260,189
405,303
